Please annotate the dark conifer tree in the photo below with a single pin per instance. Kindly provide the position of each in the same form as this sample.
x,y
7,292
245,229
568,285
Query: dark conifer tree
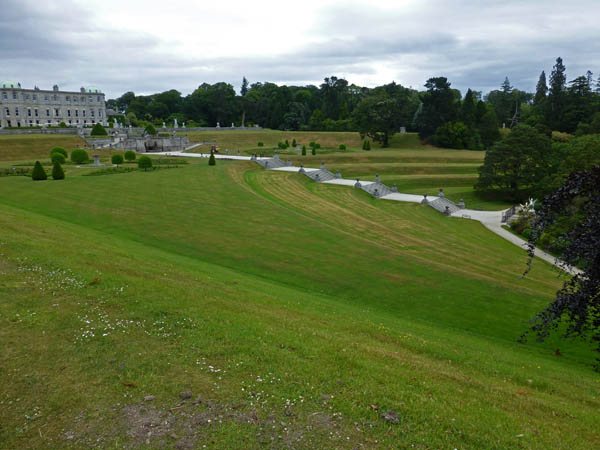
x,y
541,90
557,96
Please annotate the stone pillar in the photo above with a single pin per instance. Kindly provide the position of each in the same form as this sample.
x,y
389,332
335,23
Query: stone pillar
x,y
323,165
377,178
425,201
461,204
376,193
447,211
338,174
441,193
357,184
394,188
302,169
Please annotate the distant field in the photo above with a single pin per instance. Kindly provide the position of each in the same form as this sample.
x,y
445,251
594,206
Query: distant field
x,y
412,166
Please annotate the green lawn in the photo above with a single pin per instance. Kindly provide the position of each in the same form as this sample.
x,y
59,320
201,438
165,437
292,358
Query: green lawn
x,y
296,314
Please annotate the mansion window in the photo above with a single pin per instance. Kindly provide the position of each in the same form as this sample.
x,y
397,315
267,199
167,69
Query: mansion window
x,y
36,112
4,96
74,99
7,112
82,99
98,99
29,112
34,96
92,113
17,112
99,113
90,99
46,98
14,95
68,112
68,98
47,113
54,97
56,112
83,113
9,124
77,113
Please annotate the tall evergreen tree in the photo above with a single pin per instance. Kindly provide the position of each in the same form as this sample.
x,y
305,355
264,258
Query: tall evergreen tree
x,y
244,89
468,112
541,90
557,96
439,106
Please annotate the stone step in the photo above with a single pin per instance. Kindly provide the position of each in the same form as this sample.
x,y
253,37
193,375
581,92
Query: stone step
x,y
320,175
376,189
444,205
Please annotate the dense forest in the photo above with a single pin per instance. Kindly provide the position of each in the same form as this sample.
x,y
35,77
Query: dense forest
x,y
441,114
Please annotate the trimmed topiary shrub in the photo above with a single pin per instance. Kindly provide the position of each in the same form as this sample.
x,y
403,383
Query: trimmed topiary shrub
x,y
150,130
60,150
281,145
58,157
304,150
99,130
287,143
294,143
79,156
212,160
38,173
261,144
129,155
313,151
117,159
366,145
145,163
342,147
57,171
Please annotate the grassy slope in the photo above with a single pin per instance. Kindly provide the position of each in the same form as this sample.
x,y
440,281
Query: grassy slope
x,y
25,147
317,290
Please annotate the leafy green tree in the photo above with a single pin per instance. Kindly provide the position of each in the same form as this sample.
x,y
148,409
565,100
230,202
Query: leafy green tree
x,y
515,162
38,173
304,150
489,129
116,159
260,144
439,106
294,143
150,130
342,147
129,155
57,171
145,163
62,125
453,135
58,157
79,156
378,116
212,160
60,150
314,150
99,130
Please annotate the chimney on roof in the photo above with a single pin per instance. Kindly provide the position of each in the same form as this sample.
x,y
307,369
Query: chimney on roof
x,y
55,87
82,90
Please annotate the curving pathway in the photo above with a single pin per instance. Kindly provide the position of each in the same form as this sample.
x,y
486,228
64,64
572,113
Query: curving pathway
x,y
492,220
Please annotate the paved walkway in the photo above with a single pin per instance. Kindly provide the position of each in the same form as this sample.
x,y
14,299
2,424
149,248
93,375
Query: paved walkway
x,y
492,220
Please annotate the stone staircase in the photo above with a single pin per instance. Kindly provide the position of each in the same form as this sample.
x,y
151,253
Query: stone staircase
x,y
443,205
272,163
376,189
320,175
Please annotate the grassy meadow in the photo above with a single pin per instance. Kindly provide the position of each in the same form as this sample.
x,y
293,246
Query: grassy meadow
x,y
232,307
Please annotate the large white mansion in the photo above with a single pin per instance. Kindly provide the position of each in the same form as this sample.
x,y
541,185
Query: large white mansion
x,y
35,107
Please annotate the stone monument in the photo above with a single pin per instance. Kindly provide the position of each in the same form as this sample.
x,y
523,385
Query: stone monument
x,y
218,125
175,124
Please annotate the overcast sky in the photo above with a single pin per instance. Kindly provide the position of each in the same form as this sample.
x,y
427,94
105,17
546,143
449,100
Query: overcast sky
x,y
149,46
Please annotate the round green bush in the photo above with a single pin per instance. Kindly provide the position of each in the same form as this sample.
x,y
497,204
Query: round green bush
x,y
150,130
99,130
79,156
145,163
38,173
129,155
294,143
342,147
58,157
117,159
57,171
260,144
60,150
